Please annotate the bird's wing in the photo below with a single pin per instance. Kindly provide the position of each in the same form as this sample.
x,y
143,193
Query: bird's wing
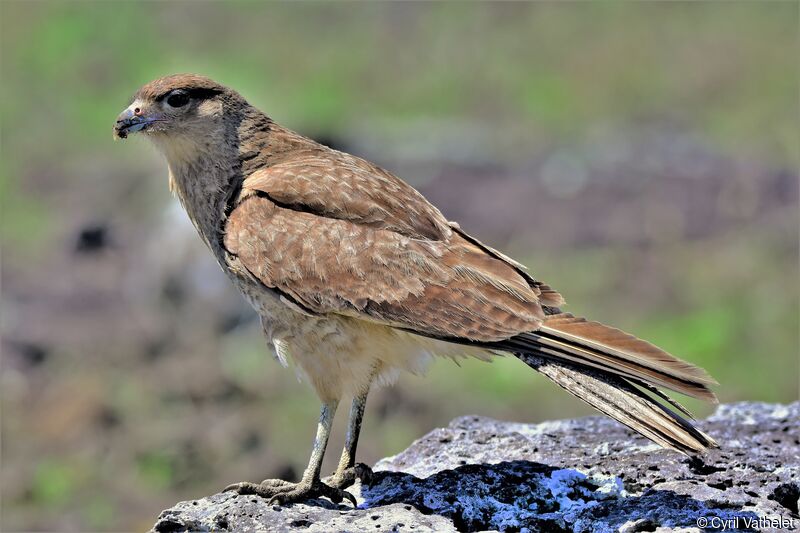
x,y
346,187
443,288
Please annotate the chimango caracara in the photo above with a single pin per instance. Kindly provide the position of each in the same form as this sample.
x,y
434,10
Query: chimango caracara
x,y
356,277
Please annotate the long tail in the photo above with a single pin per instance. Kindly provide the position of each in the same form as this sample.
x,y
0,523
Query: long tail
x,y
617,374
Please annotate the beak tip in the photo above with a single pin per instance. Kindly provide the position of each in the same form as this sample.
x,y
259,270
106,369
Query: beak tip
x,y
125,121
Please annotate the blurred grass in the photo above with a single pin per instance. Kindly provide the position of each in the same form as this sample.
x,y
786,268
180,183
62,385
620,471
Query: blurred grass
x,y
544,70
534,76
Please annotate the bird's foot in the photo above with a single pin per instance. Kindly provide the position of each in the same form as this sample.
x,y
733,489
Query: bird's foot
x,y
347,477
283,492
267,488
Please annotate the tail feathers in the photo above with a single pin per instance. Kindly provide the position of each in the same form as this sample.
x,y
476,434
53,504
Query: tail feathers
x,y
673,402
617,374
564,337
620,399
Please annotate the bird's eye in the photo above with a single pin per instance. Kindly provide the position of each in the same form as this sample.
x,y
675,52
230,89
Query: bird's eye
x,y
177,99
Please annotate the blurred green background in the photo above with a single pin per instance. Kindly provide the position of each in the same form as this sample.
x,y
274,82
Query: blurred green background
x,y
639,157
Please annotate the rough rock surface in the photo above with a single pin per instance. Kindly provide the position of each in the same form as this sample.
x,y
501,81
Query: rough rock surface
x,y
588,474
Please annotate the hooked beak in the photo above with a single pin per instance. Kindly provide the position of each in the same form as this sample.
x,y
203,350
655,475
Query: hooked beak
x,y
131,121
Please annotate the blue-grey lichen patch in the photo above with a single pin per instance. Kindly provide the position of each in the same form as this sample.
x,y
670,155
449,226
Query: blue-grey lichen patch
x,y
502,496
583,475
521,495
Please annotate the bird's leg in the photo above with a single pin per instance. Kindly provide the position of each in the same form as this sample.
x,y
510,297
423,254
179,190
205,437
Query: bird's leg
x,y
348,471
310,486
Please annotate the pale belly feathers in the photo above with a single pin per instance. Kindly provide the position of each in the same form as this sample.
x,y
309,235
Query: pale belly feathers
x,y
342,356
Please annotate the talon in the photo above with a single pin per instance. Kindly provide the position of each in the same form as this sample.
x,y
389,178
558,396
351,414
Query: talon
x,y
336,495
244,487
350,498
233,487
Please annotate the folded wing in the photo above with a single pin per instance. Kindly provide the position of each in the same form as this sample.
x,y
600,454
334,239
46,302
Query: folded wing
x,y
327,265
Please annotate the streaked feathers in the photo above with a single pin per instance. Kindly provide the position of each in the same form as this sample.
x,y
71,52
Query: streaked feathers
x,y
335,235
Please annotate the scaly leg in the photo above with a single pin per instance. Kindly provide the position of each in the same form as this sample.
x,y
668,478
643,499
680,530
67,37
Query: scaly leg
x,y
348,471
310,486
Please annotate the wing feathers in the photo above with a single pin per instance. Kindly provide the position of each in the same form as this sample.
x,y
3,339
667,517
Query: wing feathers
x,y
345,187
438,288
546,295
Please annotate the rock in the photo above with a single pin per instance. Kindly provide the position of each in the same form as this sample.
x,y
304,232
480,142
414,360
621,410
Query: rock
x,y
586,475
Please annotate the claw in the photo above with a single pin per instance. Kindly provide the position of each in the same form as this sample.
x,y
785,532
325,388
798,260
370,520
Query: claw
x,y
275,500
244,487
350,498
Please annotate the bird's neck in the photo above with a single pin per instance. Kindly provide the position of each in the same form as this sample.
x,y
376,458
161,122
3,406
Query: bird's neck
x,y
199,177
207,171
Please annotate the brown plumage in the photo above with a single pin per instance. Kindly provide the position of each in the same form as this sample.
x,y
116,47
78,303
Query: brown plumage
x,y
356,276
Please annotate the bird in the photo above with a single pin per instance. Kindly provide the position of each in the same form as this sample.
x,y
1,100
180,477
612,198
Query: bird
x,y
357,278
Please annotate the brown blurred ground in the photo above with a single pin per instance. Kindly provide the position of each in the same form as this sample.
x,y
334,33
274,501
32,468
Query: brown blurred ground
x,y
641,158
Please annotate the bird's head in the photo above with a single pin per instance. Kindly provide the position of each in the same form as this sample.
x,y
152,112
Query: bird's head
x,y
176,108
